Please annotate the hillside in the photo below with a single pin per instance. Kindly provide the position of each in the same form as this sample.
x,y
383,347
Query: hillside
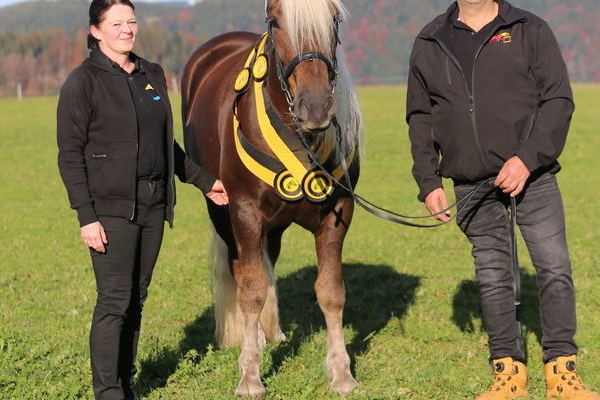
x,y
41,40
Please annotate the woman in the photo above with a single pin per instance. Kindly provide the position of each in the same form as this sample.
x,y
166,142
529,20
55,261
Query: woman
x,y
117,158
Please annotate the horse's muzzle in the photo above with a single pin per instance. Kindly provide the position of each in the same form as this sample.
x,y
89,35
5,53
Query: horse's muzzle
x,y
315,113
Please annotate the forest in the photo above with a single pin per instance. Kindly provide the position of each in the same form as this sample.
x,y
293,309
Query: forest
x,y
41,41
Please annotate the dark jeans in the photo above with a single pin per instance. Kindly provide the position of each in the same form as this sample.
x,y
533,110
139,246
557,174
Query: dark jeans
x,y
123,274
540,217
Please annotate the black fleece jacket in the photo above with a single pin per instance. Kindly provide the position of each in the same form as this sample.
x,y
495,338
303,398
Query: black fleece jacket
x,y
520,102
97,135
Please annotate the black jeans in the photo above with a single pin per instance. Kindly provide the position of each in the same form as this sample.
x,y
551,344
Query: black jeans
x,y
123,274
540,217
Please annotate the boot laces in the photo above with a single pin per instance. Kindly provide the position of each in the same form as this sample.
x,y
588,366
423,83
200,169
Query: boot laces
x,y
571,380
502,382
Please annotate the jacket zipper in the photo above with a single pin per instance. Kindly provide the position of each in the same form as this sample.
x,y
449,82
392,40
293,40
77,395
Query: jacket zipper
x,y
472,103
469,94
171,139
137,149
472,98
128,80
171,155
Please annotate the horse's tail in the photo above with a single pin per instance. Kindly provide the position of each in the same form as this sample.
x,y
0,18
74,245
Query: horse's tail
x,y
228,315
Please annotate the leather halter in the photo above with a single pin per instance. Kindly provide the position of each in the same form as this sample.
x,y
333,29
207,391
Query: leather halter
x,y
310,56
289,169
284,72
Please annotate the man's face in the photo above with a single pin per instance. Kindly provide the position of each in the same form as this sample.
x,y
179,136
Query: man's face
x,y
475,2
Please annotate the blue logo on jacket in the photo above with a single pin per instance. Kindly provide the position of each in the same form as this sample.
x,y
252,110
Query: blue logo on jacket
x,y
153,93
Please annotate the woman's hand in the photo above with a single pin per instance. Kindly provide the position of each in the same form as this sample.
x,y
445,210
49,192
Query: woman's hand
x,y
94,236
217,194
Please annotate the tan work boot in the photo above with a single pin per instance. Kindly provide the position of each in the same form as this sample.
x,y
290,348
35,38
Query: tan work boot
x,y
563,381
510,381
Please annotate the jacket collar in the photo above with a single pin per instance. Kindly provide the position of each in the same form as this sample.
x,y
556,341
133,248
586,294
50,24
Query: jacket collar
x,y
507,13
101,60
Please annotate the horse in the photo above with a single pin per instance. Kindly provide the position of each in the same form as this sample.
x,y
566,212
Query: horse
x,y
297,68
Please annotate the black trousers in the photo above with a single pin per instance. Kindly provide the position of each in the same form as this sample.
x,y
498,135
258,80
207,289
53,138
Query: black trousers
x,y
123,275
541,220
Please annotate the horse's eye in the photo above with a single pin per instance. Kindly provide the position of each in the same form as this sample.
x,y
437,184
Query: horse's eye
x,y
274,24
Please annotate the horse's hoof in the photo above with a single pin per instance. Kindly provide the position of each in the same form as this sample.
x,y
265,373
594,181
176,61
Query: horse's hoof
x,y
251,388
344,385
280,337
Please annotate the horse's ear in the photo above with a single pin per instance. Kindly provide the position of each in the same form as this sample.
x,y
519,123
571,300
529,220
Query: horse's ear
x,y
339,12
270,6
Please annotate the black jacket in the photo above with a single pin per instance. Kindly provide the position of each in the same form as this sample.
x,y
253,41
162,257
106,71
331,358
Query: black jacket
x,y
520,104
97,136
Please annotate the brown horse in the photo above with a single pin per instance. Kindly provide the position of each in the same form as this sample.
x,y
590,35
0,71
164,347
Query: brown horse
x,y
307,85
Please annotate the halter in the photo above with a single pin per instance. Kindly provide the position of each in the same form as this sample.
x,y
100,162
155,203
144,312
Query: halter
x,y
284,72
290,170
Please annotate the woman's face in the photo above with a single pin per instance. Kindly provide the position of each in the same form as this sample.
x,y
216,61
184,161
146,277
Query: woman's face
x,y
117,30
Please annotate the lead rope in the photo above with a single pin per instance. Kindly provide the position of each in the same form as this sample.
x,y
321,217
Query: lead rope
x,y
372,208
515,257
392,216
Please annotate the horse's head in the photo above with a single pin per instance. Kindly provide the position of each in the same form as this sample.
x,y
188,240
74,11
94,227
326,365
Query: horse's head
x,y
304,35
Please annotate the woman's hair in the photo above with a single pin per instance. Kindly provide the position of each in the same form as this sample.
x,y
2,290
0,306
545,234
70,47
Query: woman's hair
x,y
97,10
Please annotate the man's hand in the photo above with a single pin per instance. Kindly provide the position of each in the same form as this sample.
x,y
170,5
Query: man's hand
x,y
217,194
93,236
513,176
434,200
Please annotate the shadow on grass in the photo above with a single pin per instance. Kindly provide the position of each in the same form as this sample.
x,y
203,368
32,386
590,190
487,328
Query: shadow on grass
x,y
467,313
374,295
156,370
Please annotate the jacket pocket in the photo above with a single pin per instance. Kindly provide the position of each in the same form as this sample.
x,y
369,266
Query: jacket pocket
x,y
437,139
112,172
94,164
529,128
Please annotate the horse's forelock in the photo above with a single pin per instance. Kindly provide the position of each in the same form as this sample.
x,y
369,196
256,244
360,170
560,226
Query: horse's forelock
x,y
310,23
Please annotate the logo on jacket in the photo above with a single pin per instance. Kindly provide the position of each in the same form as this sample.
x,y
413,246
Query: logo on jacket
x,y
503,37
152,92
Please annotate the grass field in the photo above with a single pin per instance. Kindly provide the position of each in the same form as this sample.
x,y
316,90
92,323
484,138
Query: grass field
x,y
412,319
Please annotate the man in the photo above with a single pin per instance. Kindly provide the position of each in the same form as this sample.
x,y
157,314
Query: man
x,y
489,97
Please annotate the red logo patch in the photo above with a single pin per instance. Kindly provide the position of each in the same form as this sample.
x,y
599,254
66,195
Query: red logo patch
x,y
503,37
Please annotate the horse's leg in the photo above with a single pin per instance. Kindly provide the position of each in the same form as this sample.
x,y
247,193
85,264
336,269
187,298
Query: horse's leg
x,y
252,285
269,318
331,294
227,313
273,246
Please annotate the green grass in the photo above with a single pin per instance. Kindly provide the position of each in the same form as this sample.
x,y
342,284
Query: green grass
x,y
412,322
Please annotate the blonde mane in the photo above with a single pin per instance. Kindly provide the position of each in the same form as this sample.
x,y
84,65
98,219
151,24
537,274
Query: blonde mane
x,y
348,110
310,23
